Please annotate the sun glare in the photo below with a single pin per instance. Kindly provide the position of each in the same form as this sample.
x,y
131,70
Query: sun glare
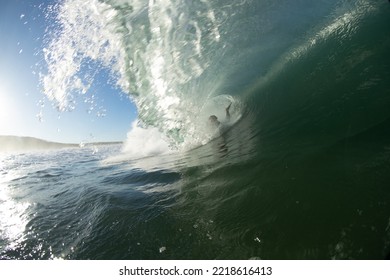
x,y
6,110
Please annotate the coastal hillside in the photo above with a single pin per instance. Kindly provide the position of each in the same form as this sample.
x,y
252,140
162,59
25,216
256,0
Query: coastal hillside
x,y
18,143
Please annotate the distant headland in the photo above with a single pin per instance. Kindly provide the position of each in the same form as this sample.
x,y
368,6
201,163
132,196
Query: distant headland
x,y
9,143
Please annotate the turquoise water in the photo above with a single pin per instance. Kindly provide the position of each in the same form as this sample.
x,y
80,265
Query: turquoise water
x,y
302,172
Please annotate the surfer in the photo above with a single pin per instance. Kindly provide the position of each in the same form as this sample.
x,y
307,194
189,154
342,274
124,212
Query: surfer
x,y
214,120
218,129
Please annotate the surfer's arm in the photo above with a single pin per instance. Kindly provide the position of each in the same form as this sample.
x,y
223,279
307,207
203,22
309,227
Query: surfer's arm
x,y
227,112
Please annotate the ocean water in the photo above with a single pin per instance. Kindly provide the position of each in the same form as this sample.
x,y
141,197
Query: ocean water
x,y
302,170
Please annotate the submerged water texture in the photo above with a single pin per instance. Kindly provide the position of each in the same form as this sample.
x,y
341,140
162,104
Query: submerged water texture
x,y
302,174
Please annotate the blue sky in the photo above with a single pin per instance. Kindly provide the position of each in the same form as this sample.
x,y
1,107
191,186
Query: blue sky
x,y
22,27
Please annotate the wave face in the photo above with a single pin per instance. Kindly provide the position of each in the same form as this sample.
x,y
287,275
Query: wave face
x,y
303,169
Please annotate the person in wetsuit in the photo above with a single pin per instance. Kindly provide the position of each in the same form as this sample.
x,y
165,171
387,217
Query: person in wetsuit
x,y
214,120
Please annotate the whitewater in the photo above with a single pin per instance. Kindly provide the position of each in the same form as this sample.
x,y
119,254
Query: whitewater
x,y
301,171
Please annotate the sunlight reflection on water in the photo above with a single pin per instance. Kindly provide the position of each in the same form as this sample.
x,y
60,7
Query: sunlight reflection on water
x,y
13,213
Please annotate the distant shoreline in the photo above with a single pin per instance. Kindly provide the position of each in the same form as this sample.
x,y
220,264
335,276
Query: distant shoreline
x,y
98,143
10,143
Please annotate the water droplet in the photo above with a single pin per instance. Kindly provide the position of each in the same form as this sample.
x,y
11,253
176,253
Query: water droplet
x,y
40,117
162,249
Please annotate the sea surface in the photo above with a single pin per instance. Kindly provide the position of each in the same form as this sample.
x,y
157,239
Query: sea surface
x,y
301,170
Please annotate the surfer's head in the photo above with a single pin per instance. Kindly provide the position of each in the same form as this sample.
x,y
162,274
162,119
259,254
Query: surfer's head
x,y
213,120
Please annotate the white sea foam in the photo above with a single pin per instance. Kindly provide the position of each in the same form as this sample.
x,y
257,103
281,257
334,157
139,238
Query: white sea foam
x,y
142,142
